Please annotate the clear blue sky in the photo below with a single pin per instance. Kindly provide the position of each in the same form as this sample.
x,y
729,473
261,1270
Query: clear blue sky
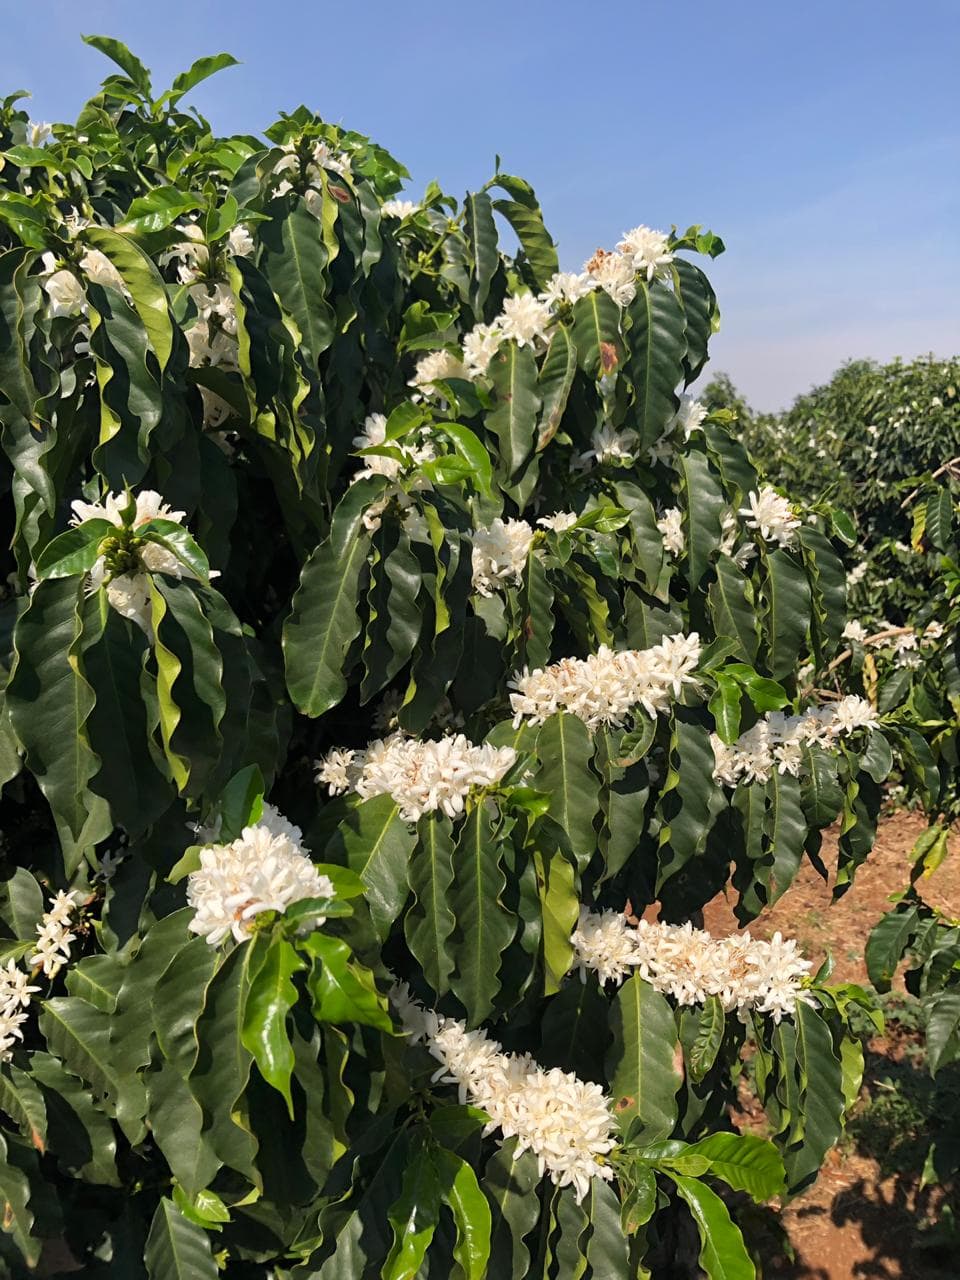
x,y
819,138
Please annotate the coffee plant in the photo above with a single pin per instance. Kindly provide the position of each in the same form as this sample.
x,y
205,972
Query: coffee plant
x,y
396,659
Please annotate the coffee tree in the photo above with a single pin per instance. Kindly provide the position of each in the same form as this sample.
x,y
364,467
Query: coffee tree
x,y
396,660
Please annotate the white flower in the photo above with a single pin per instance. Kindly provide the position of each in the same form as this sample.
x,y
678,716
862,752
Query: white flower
x,y
690,965
855,630
777,740
560,521
933,631
605,944
647,251
38,131
436,366
567,286
670,525
63,289
500,554
421,776
240,241
605,687
689,416
858,573
566,1122
398,208
480,345
611,445
525,320
772,515
615,274
52,949
264,869
98,268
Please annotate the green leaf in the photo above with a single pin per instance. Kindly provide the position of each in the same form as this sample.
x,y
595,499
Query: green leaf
x,y
269,998
606,1246
723,1254
16,1218
787,593
23,1102
513,419
523,214
642,1063
430,923
177,1249
786,829
199,71
342,990
560,907
376,844
323,619
943,1030
21,903
887,942
744,1161
176,539
724,706
596,333
460,1191
50,701
144,283
732,608
79,1134
481,232
75,551
484,925
414,1217
555,381
711,1025
705,504
821,1082
118,52
657,349
156,211
472,451
296,264
565,751
509,1182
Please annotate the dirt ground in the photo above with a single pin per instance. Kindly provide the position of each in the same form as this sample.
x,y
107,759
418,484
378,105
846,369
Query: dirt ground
x,y
855,1223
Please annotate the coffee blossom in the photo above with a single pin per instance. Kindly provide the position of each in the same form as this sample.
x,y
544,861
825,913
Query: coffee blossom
x,y
611,445
670,525
525,320
772,515
480,345
129,593
615,274
52,948
690,965
777,742
264,869
560,522
398,208
436,366
421,776
15,993
646,250
607,686
566,1122
500,554
567,286
689,417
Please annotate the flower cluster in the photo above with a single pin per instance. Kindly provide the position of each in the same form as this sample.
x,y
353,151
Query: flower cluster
x,y
566,1122
309,161
129,593
499,554
398,208
603,688
772,516
670,525
52,950
777,741
15,993
690,965
420,775
264,869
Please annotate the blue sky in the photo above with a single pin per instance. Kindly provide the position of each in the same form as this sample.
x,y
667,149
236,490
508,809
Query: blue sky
x,y
820,139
